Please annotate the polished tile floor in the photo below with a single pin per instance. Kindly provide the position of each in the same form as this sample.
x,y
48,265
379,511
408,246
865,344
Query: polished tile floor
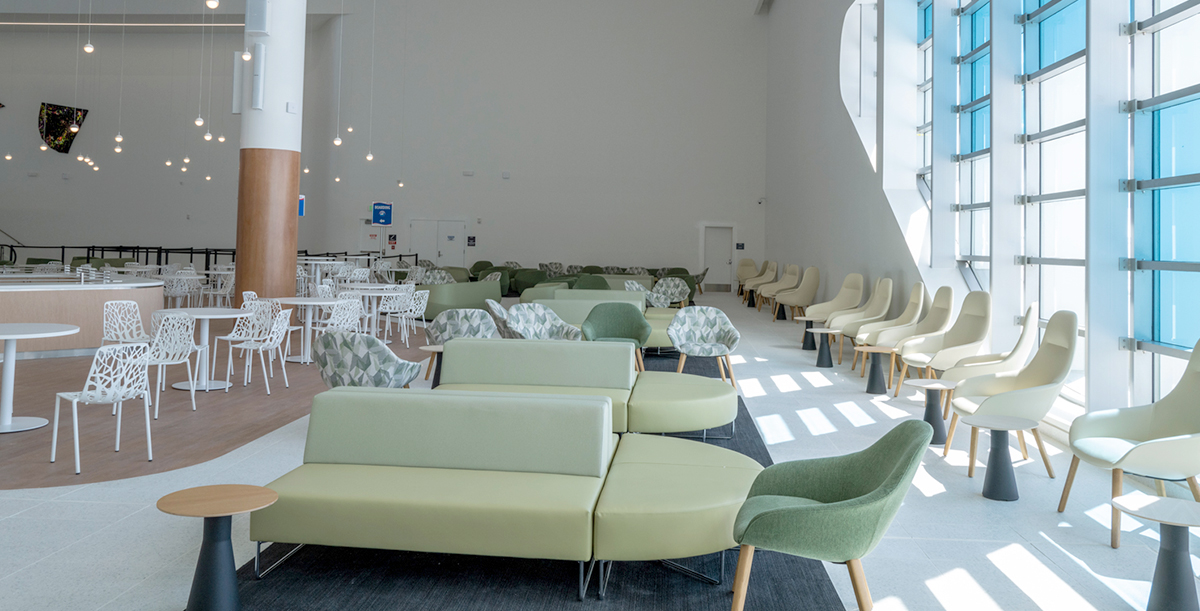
x,y
105,546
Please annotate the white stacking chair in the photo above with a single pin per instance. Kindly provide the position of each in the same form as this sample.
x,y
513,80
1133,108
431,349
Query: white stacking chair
x,y
941,351
174,342
118,374
246,328
346,316
267,348
123,323
408,317
393,303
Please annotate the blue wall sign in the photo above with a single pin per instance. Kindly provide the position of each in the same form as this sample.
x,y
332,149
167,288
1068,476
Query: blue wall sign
x,y
381,214
301,205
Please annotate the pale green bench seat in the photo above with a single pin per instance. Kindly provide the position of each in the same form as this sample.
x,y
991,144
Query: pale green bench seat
x,y
638,299
666,402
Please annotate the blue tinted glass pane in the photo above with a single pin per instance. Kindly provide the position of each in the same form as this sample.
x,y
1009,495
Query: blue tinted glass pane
x,y
981,77
926,25
981,124
1177,140
1175,320
1177,222
981,29
1063,33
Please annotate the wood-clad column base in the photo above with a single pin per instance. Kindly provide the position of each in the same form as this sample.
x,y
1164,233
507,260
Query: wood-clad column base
x,y
268,209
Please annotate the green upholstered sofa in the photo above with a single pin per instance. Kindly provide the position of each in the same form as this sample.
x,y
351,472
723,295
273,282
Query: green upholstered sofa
x,y
479,266
647,402
505,277
459,295
501,474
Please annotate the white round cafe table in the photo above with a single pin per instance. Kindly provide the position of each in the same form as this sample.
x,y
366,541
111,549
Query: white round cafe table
x,y
204,315
10,333
309,304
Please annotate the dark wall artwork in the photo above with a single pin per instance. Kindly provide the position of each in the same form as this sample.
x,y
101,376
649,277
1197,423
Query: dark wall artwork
x,y
54,124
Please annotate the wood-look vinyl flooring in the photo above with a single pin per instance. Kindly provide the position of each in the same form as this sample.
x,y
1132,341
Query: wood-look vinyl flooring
x,y
222,422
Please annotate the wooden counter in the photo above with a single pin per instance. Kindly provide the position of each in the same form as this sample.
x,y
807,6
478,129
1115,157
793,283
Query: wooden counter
x,y
72,303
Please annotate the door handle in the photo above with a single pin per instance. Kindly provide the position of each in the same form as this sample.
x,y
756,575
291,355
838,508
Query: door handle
x,y
729,262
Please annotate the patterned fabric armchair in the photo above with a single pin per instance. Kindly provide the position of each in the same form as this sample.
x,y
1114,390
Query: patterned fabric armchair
x,y
513,264
637,271
438,276
456,323
704,331
634,285
536,321
574,269
668,291
613,269
492,277
500,317
555,269
416,275
545,267
426,263
357,359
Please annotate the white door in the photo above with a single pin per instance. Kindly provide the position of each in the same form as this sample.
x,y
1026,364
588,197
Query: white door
x,y
451,243
718,258
370,238
422,239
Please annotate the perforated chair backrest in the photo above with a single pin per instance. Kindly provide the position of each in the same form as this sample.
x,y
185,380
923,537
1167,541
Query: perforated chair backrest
x,y
118,373
123,320
346,315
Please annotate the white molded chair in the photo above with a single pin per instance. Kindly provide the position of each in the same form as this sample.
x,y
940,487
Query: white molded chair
x,y
849,322
1160,441
346,316
799,298
408,316
118,374
393,302
766,277
174,342
941,351
246,328
867,333
847,298
1028,393
767,292
123,323
271,345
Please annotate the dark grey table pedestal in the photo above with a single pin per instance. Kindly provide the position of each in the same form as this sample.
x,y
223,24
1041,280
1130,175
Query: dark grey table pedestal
x,y
876,385
808,344
750,299
933,415
824,358
1000,481
1174,587
214,586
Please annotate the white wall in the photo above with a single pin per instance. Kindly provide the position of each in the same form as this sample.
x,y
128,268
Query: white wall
x,y
625,125
826,204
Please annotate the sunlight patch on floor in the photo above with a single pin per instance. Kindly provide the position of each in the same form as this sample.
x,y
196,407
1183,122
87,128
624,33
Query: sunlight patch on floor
x,y
855,414
889,410
816,378
751,388
785,383
956,590
1102,514
815,420
737,359
926,483
774,429
1046,589
1135,593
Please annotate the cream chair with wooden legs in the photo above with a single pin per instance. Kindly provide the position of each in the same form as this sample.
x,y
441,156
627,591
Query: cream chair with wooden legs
x,y
1160,441
867,333
746,270
941,351
766,277
799,298
767,292
847,298
987,364
849,322
936,320
1028,393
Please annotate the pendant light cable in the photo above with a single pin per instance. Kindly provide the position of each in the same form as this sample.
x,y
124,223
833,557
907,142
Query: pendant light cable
x,y
121,79
371,104
78,21
341,36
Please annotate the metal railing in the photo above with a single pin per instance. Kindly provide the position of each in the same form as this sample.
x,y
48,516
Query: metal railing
x,y
149,255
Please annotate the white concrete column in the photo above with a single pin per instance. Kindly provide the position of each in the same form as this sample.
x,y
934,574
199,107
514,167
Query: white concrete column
x,y
1007,160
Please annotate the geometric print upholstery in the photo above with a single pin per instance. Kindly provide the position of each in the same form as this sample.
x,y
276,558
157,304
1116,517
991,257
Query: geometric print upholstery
x,y
703,331
438,276
536,321
456,323
356,359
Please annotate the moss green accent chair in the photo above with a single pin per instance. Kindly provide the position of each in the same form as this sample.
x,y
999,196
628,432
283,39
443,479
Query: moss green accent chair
x,y
526,278
461,274
459,295
618,322
545,290
834,509
478,267
593,269
588,281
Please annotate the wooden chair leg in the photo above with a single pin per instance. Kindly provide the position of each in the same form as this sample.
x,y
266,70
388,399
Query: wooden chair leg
x,y
947,398
432,358
974,446
1021,442
1037,437
891,370
1160,487
903,373
729,366
1062,502
1195,488
1117,489
721,368
741,576
682,358
854,360
841,342
858,579
950,435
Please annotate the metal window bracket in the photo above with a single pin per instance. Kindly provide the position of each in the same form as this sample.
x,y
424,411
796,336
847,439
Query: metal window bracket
x,y
1127,344
1021,138
1018,320
1126,264
1021,260
1127,185
1023,200
1129,29
1127,106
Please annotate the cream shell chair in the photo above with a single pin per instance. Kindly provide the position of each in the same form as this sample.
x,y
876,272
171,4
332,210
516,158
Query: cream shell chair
x,y
1159,441
799,298
1028,393
847,298
941,351
848,323
766,277
1003,362
768,291
867,333
936,320
746,270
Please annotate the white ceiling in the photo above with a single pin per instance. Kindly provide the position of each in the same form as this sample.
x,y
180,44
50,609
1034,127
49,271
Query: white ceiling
x,y
59,8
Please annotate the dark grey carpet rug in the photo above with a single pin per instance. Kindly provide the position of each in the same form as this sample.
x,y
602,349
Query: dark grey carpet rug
x,y
319,578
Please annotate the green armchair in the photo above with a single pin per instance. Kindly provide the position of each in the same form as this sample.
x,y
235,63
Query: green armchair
x,y
618,322
588,281
505,277
592,269
478,267
526,278
834,509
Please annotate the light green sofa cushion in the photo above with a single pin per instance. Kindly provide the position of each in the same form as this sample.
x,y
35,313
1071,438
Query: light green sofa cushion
x,y
661,313
665,402
458,511
444,297
542,291
623,296
527,362
658,333
670,498
460,430
572,311
619,397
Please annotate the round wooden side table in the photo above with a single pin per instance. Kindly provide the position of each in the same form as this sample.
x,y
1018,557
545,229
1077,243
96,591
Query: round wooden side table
x,y
214,586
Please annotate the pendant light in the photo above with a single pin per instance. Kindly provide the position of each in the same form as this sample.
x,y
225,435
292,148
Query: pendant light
x,y
337,136
88,48
371,103
200,89
121,81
